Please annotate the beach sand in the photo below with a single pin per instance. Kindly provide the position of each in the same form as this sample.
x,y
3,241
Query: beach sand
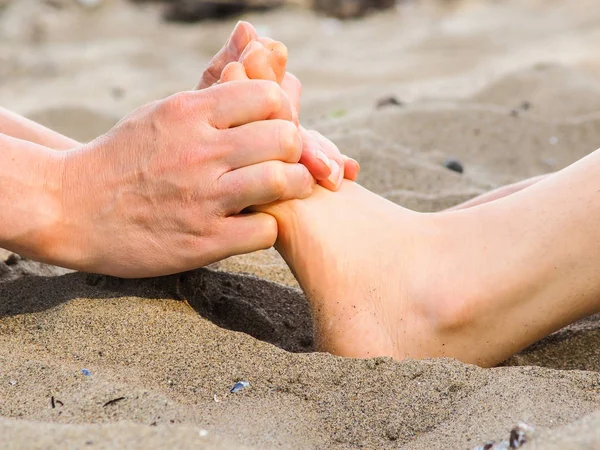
x,y
511,89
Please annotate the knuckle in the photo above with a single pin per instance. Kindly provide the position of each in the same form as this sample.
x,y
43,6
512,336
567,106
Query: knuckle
x,y
275,179
308,181
290,142
176,105
271,93
234,188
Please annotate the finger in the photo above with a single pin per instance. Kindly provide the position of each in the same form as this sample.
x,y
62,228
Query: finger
x,y
232,72
257,142
264,183
266,41
238,102
337,162
328,147
278,56
293,89
317,163
351,168
245,233
264,64
322,158
256,61
242,34
334,180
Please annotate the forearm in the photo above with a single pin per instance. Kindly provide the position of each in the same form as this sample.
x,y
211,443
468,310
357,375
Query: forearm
x,y
29,197
20,127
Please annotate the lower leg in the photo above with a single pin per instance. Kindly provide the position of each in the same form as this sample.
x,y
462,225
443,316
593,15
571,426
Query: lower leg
x,y
499,193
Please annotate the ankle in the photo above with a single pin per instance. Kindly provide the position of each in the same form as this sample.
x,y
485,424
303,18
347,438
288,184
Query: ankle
x,y
441,289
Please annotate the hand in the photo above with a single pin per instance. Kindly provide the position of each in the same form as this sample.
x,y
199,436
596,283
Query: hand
x,y
162,192
241,35
267,59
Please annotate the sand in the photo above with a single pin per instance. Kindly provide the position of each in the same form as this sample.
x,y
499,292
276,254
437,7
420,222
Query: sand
x,y
511,89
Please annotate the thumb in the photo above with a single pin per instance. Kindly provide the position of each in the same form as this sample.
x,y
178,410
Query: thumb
x,y
241,35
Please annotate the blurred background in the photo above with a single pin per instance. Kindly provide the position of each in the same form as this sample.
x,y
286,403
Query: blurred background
x,y
64,60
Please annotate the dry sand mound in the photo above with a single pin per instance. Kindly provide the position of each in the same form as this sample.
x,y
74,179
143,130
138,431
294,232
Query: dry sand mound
x,y
511,89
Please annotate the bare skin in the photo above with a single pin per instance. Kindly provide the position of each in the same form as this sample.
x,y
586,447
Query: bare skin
x,y
501,192
266,59
478,283
19,127
162,192
323,159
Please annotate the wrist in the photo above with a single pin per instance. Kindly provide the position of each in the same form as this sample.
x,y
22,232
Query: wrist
x,y
30,198
66,240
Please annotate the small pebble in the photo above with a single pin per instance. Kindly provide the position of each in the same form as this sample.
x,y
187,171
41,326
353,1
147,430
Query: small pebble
x,y
117,92
93,279
216,399
203,433
454,165
525,105
86,372
387,101
493,446
239,386
12,382
520,434
12,259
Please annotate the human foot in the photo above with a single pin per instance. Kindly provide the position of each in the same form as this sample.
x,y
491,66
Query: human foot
x,y
365,265
478,284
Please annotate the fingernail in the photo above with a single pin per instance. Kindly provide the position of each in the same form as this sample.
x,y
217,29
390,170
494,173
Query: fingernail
x,y
336,172
322,157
